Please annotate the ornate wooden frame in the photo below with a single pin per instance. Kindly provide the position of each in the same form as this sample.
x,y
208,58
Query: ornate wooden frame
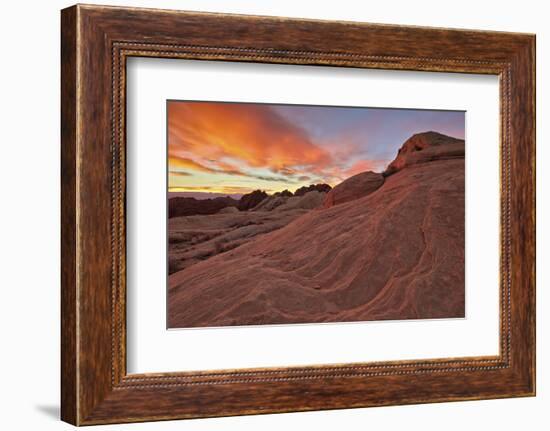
x,y
95,42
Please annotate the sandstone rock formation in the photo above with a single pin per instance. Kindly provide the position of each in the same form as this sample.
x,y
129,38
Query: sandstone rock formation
x,y
425,147
285,194
270,203
250,200
285,200
322,188
184,206
228,210
197,238
353,188
396,253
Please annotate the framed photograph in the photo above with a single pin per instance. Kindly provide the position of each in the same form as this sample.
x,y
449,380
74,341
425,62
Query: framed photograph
x,y
264,215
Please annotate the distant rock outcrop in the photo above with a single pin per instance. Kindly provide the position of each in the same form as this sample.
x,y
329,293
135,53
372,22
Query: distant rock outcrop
x,y
250,200
309,201
355,187
426,147
284,194
323,188
184,206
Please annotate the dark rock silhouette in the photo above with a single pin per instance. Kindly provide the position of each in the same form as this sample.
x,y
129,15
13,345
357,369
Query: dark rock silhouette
x,y
322,188
197,238
184,206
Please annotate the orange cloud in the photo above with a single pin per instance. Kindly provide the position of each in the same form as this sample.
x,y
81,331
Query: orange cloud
x,y
180,173
254,134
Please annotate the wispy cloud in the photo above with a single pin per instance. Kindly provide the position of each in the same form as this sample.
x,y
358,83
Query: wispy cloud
x,y
218,167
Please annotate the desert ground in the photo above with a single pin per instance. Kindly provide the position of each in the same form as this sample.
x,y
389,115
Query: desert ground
x,y
377,246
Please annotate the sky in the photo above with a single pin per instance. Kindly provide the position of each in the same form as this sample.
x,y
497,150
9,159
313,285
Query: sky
x,y
235,148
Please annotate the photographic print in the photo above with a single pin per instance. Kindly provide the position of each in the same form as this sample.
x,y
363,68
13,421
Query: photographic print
x,y
285,214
